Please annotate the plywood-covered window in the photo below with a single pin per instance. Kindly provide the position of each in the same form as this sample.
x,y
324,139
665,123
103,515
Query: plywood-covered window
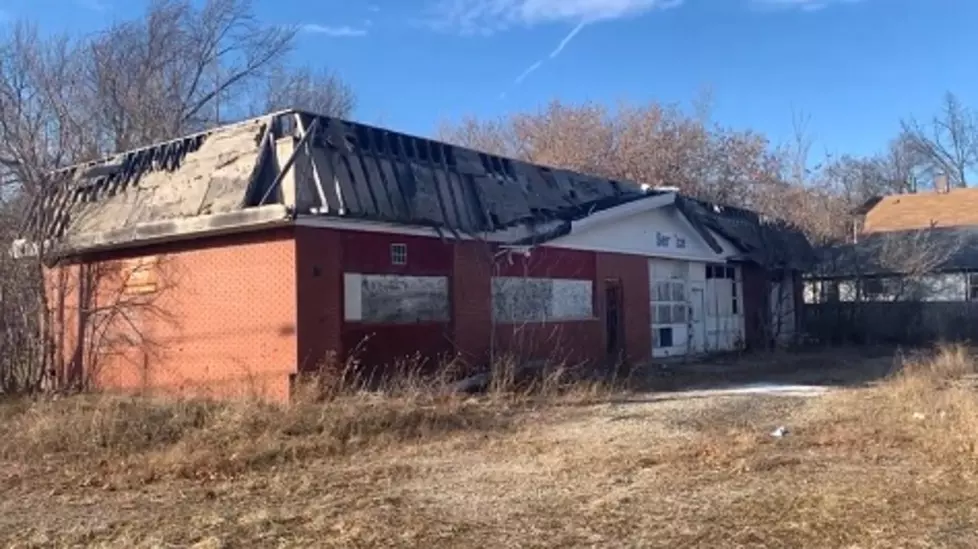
x,y
520,299
394,299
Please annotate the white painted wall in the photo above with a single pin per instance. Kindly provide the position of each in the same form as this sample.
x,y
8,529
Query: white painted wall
x,y
663,232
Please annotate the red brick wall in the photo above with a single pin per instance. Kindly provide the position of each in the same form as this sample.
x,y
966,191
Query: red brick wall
x,y
213,317
471,301
633,274
324,255
549,263
571,342
319,296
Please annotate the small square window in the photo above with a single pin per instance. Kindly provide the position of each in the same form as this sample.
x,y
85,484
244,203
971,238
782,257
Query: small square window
x,y
398,254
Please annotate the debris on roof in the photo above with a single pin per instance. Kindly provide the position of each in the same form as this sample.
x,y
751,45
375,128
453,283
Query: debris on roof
x,y
319,166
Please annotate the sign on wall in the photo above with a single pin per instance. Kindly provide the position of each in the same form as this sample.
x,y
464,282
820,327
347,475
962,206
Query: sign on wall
x,y
670,240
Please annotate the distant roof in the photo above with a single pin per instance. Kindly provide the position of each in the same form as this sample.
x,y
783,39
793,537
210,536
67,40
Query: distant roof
x,y
902,212
915,252
246,173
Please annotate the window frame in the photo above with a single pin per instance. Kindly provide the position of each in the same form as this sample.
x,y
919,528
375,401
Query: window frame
x,y
398,254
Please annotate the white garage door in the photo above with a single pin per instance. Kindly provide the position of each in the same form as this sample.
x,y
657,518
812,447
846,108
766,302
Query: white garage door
x,y
724,308
669,304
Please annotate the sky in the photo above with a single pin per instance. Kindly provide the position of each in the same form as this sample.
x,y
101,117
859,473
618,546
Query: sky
x,y
850,68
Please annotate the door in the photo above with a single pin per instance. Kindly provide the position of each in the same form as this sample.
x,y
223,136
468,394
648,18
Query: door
x,y
697,319
613,319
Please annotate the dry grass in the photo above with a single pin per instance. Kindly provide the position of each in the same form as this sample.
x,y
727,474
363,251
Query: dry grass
x,y
893,465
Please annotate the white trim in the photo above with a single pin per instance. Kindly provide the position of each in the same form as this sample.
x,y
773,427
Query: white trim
x,y
507,235
627,209
663,255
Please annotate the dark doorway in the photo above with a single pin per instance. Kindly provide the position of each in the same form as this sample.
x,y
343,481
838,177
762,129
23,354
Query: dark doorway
x,y
613,318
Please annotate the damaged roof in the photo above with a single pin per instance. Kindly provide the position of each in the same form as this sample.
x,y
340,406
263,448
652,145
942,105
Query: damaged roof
x,y
276,167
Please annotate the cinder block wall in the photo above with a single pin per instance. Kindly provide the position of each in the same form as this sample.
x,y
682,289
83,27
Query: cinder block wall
x,y
210,317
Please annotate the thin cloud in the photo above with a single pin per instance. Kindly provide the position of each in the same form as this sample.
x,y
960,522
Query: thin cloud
x,y
94,5
336,32
489,16
803,5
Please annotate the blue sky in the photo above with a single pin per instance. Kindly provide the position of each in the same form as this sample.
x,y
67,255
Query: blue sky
x,y
853,67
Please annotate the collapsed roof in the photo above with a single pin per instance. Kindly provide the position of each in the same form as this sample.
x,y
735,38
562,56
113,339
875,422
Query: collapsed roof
x,y
270,169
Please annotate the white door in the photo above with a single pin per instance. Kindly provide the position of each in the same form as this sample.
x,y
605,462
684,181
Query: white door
x,y
697,320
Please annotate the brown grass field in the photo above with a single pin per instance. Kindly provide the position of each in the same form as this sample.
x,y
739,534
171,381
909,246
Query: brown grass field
x,y
886,464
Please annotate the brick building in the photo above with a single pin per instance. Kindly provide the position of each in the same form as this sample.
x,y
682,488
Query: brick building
x,y
226,262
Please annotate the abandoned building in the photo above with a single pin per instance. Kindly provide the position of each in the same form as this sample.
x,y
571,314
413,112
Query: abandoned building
x,y
909,273
227,262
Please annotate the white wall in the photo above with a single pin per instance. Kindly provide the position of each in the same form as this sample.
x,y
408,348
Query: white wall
x,y
663,232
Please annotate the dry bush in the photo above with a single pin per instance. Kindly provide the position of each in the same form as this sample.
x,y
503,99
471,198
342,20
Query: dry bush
x,y
209,439
337,413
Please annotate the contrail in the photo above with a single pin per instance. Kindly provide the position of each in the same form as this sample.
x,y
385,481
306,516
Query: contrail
x,y
560,47
570,36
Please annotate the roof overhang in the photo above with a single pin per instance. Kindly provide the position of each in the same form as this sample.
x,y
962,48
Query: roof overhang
x,y
160,232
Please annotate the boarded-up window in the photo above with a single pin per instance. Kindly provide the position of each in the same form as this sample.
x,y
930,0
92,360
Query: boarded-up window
x,y
140,275
518,299
393,299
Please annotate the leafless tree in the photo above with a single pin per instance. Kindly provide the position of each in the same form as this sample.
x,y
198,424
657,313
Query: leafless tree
x,y
177,69
319,91
180,67
948,144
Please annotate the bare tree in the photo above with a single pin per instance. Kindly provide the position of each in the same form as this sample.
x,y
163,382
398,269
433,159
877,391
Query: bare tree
x,y
181,67
177,69
318,91
654,144
948,144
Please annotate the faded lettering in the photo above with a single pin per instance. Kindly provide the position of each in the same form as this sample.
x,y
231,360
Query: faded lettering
x,y
663,240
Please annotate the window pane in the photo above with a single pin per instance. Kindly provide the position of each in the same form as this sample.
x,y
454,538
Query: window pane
x,y
662,291
678,313
730,273
663,314
678,291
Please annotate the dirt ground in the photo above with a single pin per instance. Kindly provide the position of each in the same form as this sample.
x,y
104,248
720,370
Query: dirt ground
x,y
859,467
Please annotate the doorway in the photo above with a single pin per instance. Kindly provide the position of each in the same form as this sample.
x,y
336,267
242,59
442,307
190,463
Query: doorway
x,y
613,319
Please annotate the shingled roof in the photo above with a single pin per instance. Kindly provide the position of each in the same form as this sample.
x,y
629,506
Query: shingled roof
x,y
905,212
270,169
